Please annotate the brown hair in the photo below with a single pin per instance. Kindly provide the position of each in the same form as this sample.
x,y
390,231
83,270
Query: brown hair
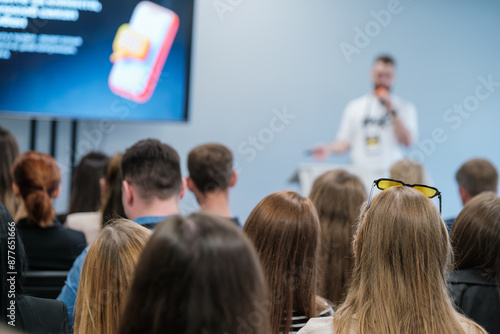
x,y
402,254
85,183
284,228
476,176
107,275
210,167
198,274
37,176
338,196
112,206
475,236
9,151
386,59
408,171
154,168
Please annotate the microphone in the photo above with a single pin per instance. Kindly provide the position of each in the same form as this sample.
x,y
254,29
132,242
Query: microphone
x,y
380,91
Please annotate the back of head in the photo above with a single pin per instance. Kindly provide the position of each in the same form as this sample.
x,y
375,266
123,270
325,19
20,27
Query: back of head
x,y
284,228
112,205
475,236
37,176
13,260
338,196
85,186
9,151
476,176
107,275
210,167
410,172
402,254
198,274
154,168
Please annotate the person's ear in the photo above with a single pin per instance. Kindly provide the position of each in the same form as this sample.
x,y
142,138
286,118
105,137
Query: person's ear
x,y
234,178
183,188
190,184
128,193
464,195
56,192
15,189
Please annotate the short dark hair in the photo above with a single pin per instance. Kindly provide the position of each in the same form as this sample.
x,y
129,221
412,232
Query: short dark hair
x,y
153,167
210,167
477,176
386,59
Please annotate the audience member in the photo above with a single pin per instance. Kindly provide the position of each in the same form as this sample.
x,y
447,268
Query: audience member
x,y
338,196
107,275
402,253
9,151
474,177
85,199
475,285
112,206
197,274
26,313
49,245
410,172
285,230
151,190
211,175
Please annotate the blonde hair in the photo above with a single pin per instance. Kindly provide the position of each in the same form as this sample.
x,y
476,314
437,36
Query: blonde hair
x,y
338,196
408,171
107,275
402,254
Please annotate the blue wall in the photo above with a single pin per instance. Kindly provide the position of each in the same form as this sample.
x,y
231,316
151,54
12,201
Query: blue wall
x,y
261,57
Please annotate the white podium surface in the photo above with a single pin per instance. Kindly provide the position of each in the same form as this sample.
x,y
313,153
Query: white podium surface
x,y
309,171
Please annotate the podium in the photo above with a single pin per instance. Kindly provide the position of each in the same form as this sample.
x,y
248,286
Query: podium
x,y
308,172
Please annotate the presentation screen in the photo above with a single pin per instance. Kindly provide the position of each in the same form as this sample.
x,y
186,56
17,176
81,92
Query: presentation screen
x,y
95,59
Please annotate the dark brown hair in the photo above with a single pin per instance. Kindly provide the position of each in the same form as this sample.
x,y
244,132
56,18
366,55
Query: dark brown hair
x,y
210,167
338,196
284,228
85,186
476,176
9,151
386,59
475,236
112,205
37,175
154,168
198,274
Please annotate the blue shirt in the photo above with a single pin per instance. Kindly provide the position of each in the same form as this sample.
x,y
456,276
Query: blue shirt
x,y
70,289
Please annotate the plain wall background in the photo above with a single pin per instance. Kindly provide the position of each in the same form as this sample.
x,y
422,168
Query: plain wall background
x,y
260,56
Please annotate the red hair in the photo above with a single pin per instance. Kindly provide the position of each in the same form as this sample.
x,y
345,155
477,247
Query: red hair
x,y
37,177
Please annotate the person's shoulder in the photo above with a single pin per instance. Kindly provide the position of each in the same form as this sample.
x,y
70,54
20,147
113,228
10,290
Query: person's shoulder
x,y
402,103
358,101
43,314
323,325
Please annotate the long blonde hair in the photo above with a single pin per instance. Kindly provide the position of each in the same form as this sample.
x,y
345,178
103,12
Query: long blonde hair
x,y
338,196
107,275
402,254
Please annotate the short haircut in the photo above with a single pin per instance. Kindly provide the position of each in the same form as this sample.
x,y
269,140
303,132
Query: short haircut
x,y
476,176
210,167
154,168
386,59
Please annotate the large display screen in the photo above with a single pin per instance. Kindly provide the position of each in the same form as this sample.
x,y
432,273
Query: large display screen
x,y
95,59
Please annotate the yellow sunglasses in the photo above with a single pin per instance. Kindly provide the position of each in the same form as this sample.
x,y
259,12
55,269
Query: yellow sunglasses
x,y
384,184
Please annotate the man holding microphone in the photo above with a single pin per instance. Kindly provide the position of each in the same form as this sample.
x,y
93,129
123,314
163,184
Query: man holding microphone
x,y
374,127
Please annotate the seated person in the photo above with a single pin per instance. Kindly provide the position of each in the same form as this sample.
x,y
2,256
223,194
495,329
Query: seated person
x,y
49,245
211,175
9,151
401,256
475,285
25,313
197,274
284,228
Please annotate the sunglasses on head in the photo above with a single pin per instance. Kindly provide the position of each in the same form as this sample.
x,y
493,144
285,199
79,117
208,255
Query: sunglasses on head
x,y
384,184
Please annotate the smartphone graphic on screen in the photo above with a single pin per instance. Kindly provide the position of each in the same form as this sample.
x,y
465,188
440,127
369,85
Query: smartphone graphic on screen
x,y
140,50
